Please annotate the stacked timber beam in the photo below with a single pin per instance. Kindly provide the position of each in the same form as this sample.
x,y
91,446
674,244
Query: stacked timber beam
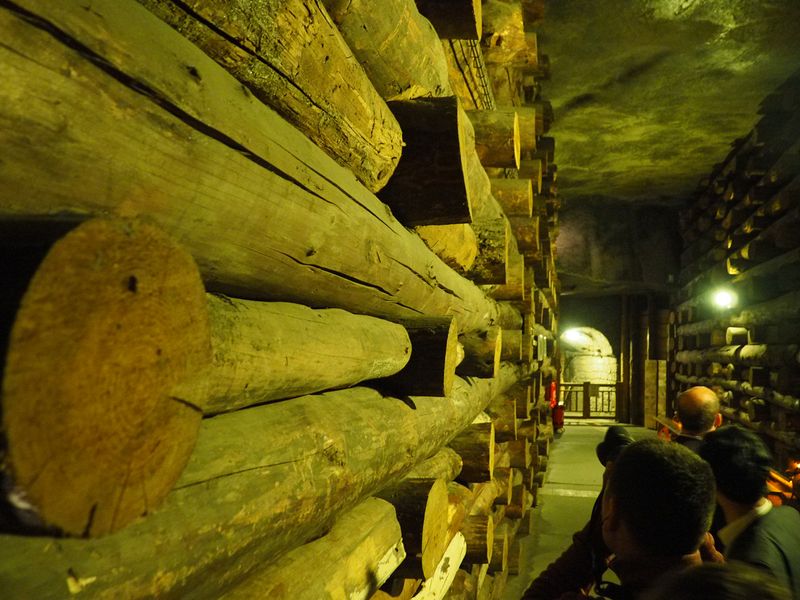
x,y
741,235
267,305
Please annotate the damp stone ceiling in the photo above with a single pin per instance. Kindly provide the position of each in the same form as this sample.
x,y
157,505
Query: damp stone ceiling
x,y
647,96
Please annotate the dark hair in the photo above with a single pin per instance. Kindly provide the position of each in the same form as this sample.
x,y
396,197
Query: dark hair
x,y
740,461
698,415
718,581
664,493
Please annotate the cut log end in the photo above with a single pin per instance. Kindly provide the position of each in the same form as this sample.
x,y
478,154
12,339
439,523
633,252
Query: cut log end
x,y
112,321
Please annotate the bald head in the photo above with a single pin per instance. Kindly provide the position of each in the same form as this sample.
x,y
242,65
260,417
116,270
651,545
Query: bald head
x,y
698,410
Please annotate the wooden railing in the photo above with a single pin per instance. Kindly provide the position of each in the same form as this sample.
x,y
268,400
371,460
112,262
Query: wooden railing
x,y
586,400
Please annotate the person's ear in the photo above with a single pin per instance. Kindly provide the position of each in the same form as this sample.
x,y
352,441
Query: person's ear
x,y
718,420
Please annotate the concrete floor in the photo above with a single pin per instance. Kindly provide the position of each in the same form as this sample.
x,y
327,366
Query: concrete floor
x,y
572,482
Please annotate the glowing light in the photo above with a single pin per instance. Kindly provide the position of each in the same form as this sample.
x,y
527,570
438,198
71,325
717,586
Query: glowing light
x,y
572,335
723,298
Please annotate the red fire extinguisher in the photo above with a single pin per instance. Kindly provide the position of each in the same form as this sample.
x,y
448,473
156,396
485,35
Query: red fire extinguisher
x,y
556,408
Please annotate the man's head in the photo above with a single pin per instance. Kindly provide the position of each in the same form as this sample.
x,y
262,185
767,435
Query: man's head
x,y
740,461
659,500
698,410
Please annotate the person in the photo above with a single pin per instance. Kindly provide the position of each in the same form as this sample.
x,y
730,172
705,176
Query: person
x,y
755,532
582,564
656,511
697,412
728,581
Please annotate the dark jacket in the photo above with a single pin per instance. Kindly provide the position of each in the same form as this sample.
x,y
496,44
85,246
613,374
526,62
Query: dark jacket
x,y
692,442
772,542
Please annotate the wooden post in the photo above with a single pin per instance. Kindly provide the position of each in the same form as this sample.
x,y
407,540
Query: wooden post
x,y
317,350
112,322
527,128
475,445
514,195
460,20
398,48
497,138
432,367
428,186
356,557
421,506
255,498
288,193
494,239
456,244
291,56
479,533
481,353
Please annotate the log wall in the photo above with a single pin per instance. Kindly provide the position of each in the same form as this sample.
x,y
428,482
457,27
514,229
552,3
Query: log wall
x,y
740,235
206,415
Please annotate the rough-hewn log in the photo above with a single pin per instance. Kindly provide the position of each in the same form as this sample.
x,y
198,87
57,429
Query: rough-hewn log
x,y
505,41
445,464
503,411
526,231
514,557
428,186
508,317
494,239
398,48
497,139
503,477
514,288
479,533
527,129
468,74
112,322
243,499
357,556
475,445
512,345
432,367
514,195
519,452
316,350
460,20
422,507
481,353
532,169
187,151
436,586
293,58
499,560
456,244
759,355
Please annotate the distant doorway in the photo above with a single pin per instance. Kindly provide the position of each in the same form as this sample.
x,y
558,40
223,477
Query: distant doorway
x,y
589,386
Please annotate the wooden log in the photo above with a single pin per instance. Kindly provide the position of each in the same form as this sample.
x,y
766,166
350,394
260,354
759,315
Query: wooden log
x,y
522,395
526,232
254,498
479,533
519,452
515,196
508,317
422,509
499,562
532,169
475,445
372,266
453,20
483,497
112,322
428,186
493,238
437,585
398,588
544,116
481,353
497,139
316,350
398,48
514,288
514,558
757,355
353,560
445,464
292,57
512,345
504,416
431,368
527,130
468,74
456,244
505,41
503,477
